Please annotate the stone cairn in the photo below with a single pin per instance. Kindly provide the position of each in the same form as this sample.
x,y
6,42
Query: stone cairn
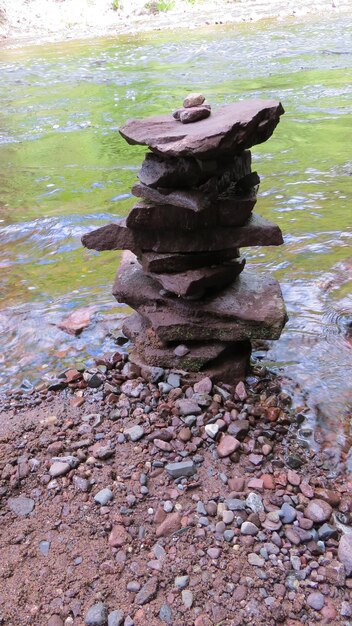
x,y
197,308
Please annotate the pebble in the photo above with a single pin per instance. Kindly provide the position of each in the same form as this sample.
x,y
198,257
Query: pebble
x,y
187,598
96,615
227,446
228,517
203,386
193,100
316,600
188,407
247,528
59,468
182,468
134,432
115,618
211,430
229,535
21,505
168,506
181,582
287,514
174,380
318,511
55,620
148,591
326,532
254,502
103,496
119,536
235,504
255,559
345,552
165,614
213,553
44,547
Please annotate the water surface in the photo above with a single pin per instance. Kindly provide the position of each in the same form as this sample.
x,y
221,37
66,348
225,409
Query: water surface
x,y
64,170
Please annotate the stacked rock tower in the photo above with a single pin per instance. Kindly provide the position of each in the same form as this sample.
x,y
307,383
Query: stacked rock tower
x,y
197,307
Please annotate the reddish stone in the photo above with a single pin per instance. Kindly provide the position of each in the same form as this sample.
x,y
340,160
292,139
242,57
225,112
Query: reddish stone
x,y
257,231
318,511
174,262
190,199
77,321
229,129
252,307
72,375
306,489
194,114
148,215
236,483
241,391
268,481
256,483
293,478
273,413
195,282
171,524
328,495
227,445
205,385
119,537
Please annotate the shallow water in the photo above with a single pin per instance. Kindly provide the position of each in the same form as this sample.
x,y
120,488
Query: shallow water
x,y
64,170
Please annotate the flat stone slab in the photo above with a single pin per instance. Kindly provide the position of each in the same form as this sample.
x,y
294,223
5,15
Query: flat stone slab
x,y
151,216
230,129
155,354
174,262
188,198
185,173
194,283
250,308
256,232
234,211
229,368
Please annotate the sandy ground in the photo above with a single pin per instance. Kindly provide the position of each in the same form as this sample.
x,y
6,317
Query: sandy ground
x,y
128,502
38,21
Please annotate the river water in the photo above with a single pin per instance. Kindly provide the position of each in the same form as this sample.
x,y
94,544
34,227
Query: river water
x,y
64,170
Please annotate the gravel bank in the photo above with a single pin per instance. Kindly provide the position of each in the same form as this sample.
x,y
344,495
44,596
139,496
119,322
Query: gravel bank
x,y
126,501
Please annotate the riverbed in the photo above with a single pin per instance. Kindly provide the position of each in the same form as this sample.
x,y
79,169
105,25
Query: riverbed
x,y
64,170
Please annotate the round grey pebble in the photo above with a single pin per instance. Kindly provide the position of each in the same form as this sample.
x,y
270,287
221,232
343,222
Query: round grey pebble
x,y
316,600
133,586
96,615
165,614
229,535
168,506
103,496
115,618
287,514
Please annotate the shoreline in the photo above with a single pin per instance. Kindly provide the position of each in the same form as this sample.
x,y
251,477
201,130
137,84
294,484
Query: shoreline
x,y
36,26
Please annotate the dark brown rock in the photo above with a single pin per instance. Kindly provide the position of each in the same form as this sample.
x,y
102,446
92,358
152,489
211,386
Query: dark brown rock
x,y
230,367
193,283
154,353
158,171
191,198
235,210
173,262
194,114
151,216
256,232
252,307
229,129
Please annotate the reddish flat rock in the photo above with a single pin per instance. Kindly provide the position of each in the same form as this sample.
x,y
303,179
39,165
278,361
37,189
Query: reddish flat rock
x,y
229,129
191,198
155,354
150,216
250,308
231,367
195,282
256,232
227,446
77,321
174,262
